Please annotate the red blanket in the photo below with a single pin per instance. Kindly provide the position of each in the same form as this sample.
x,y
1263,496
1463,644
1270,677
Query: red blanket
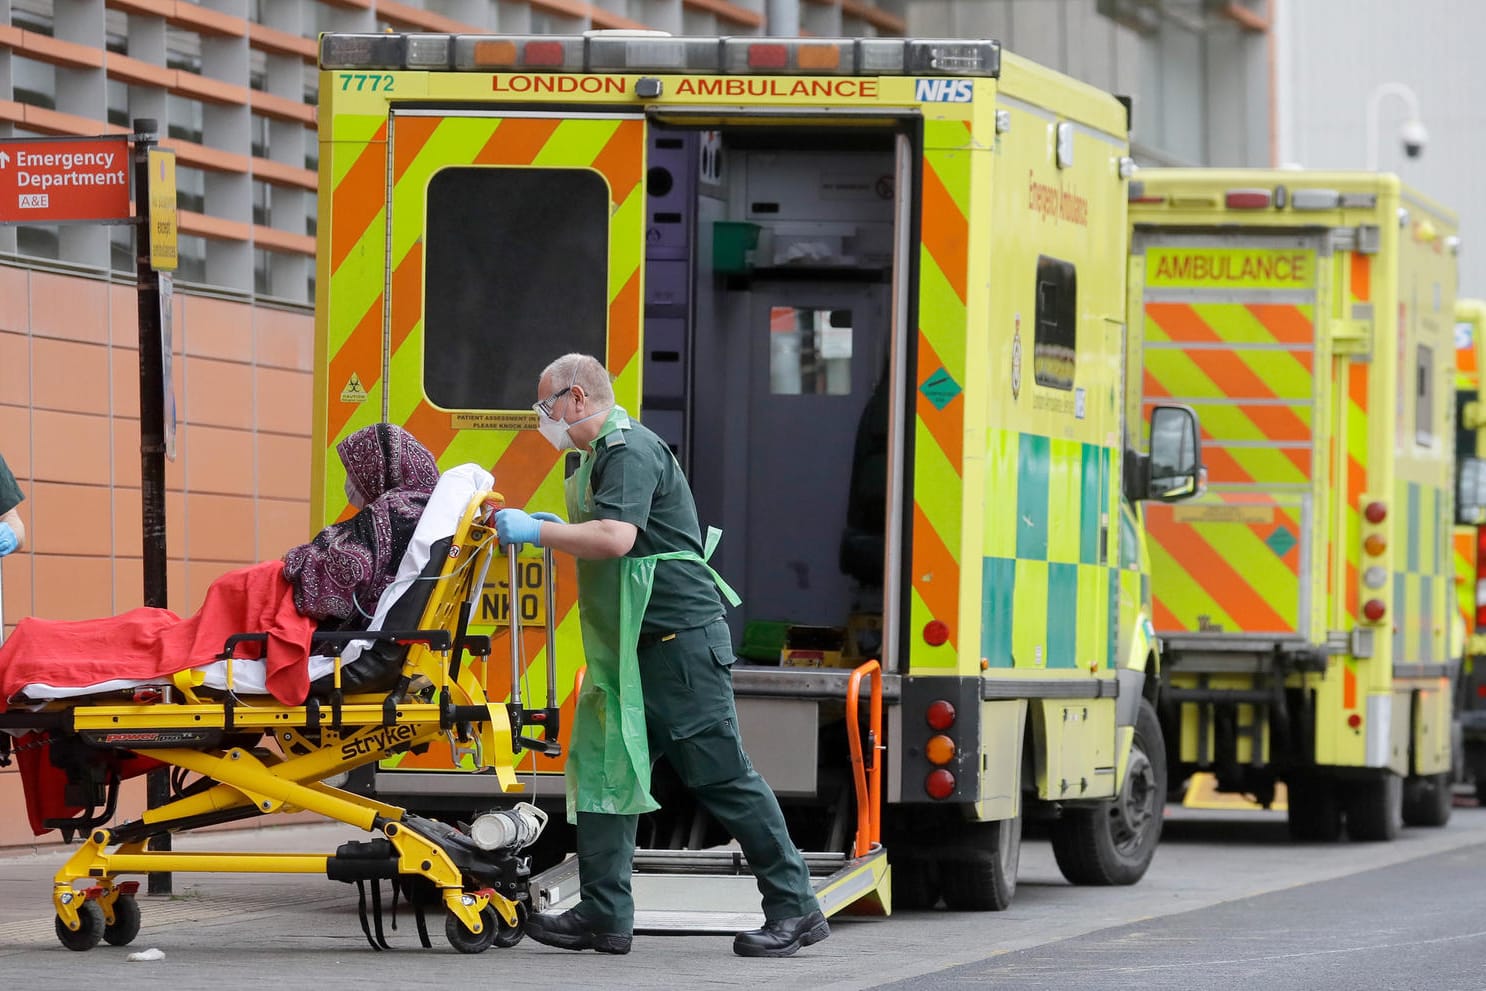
x,y
147,643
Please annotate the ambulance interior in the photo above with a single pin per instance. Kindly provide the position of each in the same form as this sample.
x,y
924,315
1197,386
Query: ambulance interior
x,y
769,342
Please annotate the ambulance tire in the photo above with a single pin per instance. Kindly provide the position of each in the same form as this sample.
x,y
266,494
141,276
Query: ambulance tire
x,y
978,872
1427,800
1313,809
1375,808
915,882
1114,842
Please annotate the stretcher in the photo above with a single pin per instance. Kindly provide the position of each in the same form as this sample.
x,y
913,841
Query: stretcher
x,y
255,756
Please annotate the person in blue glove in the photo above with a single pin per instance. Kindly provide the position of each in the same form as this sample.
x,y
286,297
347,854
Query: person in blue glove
x,y
12,530
659,672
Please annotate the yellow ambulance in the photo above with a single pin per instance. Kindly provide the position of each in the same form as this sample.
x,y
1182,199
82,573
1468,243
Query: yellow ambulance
x,y
1470,538
871,292
1304,601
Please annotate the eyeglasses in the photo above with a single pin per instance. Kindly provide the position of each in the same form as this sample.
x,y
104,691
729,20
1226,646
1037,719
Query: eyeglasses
x,y
545,406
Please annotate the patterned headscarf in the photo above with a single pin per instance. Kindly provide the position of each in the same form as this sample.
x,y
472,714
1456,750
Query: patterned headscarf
x,y
339,576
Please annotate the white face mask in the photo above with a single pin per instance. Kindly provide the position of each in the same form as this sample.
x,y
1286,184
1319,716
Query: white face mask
x,y
557,431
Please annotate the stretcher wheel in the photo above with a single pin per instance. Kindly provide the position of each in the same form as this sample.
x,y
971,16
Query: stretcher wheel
x,y
507,936
87,935
467,942
126,922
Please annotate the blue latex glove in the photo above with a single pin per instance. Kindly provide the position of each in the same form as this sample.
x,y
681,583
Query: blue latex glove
x,y
516,526
8,539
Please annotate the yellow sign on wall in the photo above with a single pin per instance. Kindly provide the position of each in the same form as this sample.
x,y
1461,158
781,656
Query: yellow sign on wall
x,y
163,254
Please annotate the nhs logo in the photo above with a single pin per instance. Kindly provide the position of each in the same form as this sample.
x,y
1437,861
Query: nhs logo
x,y
943,90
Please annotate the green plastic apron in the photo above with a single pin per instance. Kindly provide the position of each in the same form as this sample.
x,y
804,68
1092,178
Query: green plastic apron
x,y
608,768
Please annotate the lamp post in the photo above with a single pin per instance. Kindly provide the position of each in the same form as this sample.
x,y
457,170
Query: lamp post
x,y
1412,133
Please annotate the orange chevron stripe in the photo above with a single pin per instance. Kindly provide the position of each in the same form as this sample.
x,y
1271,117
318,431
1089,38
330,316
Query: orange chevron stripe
x,y
945,425
1154,388
517,140
936,573
1349,687
1284,321
945,233
1162,617
407,295
1196,556
1181,323
1357,385
358,198
408,140
361,353
621,158
624,325
1361,277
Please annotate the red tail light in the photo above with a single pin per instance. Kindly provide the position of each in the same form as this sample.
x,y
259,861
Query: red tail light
x,y
1480,589
940,784
936,632
941,715
1374,609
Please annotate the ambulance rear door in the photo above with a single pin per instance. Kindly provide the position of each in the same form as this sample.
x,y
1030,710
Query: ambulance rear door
x,y
513,237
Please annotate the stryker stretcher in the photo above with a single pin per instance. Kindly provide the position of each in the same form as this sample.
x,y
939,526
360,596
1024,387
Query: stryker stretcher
x,y
397,686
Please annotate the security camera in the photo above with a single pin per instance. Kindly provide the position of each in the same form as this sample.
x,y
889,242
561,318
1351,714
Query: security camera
x,y
1414,138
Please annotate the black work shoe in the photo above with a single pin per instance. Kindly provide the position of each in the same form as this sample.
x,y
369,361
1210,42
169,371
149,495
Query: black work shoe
x,y
568,932
782,937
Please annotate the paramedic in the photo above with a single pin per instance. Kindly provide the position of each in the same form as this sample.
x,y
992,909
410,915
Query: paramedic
x,y
634,531
339,576
12,530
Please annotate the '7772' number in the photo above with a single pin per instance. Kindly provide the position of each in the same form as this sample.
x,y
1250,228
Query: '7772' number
x,y
378,81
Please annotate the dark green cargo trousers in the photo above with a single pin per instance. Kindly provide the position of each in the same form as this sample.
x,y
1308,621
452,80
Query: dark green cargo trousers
x,y
691,719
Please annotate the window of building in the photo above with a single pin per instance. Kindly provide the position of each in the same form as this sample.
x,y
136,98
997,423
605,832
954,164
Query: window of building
x,y
190,188
118,103
258,131
116,31
43,241
183,51
262,271
33,82
311,86
518,271
257,70
190,258
187,117
1055,335
311,215
262,203
32,15
1424,397
121,248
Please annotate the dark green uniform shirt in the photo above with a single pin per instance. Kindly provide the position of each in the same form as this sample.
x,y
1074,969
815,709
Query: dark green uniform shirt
x,y
639,482
10,492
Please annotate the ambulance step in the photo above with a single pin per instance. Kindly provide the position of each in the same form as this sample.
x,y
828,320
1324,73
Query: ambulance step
x,y
681,892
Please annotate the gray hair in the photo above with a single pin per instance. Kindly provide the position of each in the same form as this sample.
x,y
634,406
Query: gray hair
x,y
585,371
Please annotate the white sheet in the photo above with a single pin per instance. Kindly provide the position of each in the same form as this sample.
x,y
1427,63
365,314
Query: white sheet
x,y
440,519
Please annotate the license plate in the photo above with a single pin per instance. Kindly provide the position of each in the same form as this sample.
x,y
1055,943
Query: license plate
x,y
531,594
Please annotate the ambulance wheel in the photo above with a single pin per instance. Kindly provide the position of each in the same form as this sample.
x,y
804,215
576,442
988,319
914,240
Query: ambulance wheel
x,y
915,881
467,942
1313,810
508,936
125,926
1375,808
1115,841
86,935
978,872
1427,800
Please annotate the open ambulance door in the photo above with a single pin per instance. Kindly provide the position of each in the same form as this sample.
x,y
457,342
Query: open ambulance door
x,y
512,238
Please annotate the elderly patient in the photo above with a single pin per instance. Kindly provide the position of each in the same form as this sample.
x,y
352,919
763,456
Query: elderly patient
x,y
339,576
331,583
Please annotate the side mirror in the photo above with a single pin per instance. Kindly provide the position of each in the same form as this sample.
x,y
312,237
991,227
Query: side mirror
x,y
1470,495
1174,468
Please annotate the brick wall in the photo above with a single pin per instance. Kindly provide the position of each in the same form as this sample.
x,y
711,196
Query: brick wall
x,y
237,492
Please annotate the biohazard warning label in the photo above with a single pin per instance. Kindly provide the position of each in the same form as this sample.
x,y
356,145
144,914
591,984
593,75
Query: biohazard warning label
x,y
354,392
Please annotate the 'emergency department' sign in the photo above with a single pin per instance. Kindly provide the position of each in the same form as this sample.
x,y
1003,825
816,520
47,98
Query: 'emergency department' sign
x,y
56,180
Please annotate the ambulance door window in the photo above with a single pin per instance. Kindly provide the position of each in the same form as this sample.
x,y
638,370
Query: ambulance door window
x,y
1055,345
517,274
809,352
1424,397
